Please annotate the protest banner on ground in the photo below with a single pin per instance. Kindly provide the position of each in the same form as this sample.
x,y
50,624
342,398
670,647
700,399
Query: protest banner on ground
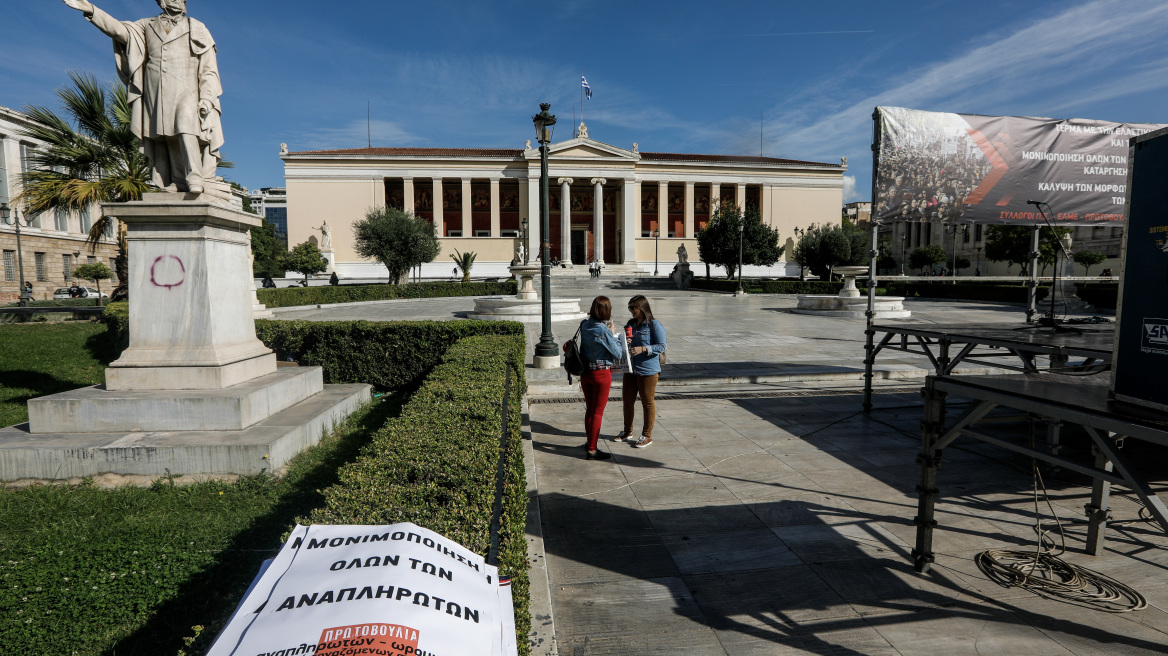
x,y
392,590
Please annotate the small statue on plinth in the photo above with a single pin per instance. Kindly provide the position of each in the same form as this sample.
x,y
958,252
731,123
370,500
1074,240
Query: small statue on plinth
x,y
172,79
681,274
326,237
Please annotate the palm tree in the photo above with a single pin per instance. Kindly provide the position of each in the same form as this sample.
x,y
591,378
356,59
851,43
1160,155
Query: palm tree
x,y
464,261
98,161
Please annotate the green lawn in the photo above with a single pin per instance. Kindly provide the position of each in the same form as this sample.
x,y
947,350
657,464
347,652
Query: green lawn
x,y
45,358
130,571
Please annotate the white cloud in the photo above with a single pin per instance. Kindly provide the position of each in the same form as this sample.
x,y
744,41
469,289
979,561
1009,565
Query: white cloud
x,y
1056,63
850,189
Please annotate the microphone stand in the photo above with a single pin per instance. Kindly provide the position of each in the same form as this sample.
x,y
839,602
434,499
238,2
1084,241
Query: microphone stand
x,y
1050,321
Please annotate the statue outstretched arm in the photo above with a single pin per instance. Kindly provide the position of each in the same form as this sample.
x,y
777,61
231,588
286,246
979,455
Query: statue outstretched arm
x,y
104,22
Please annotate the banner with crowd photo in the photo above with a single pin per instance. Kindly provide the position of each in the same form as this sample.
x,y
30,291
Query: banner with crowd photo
x,y
969,168
397,590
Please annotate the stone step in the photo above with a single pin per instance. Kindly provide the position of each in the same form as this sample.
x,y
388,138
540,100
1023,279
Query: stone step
x,y
141,456
98,410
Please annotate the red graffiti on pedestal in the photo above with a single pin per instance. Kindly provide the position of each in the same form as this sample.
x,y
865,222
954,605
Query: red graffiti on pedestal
x,y
167,271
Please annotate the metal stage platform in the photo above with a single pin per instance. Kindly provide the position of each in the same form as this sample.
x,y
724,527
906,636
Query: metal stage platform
x,y
1073,399
993,345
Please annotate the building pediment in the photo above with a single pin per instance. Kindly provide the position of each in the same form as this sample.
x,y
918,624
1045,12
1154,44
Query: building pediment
x,y
582,148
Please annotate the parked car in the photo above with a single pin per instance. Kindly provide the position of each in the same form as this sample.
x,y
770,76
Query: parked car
x,y
86,292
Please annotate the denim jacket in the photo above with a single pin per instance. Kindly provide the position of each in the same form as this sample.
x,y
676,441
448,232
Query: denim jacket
x,y
653,337
598,344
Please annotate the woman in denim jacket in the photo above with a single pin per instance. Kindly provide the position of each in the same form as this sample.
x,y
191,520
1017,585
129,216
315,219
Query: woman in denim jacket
x,y
646,347
601,349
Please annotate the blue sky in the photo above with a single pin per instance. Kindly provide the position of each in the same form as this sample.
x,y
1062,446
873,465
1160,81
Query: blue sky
x,y
674,76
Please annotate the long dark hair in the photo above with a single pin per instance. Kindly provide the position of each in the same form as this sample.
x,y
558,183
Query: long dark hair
x,y
642,304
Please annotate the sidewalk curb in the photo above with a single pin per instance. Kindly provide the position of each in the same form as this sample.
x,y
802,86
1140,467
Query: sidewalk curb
x,y
543,629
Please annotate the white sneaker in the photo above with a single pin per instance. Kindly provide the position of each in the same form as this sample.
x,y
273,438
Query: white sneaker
x,y
643,442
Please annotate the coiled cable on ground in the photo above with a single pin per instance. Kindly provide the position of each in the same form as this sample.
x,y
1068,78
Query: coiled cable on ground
x,y
1042,571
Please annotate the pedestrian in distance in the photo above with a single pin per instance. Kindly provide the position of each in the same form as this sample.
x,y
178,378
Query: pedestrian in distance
x,y
646,343
601,349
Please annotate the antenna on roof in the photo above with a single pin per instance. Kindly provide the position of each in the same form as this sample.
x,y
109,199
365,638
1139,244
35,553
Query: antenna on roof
x,y
369,122
760,141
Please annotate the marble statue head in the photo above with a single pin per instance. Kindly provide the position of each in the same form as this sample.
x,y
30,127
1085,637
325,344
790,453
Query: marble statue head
x,y
172,6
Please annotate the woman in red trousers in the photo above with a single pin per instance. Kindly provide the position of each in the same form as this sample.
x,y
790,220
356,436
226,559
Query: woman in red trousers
x,y
601,349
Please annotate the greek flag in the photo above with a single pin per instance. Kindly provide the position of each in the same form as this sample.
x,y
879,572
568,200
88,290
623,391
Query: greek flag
x,y
587,89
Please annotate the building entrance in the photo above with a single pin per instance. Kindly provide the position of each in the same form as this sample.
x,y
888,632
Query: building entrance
x,y
579,246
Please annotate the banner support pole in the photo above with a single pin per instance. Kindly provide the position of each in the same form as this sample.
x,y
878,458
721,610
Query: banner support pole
x,y
1032,294
869,332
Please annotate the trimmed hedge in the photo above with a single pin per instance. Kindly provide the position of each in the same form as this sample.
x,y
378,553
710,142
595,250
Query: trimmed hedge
x,y
293,296
60,302
1102,295
436,463
975,291
756,286
386,354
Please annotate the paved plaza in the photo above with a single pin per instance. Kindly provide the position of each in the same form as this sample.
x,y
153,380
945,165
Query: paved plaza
x,y
770,516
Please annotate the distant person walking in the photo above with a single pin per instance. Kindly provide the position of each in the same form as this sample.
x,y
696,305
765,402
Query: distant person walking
x,y
646,346
601,349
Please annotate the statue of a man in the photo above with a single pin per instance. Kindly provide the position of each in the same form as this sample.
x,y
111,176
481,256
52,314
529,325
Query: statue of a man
x,y
168,66
326,236
682,255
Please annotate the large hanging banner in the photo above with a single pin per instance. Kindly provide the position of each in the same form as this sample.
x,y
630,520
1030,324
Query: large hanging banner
x,y
969,168
397,590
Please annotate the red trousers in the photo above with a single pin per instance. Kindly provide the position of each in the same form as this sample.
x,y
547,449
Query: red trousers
x,y
595,385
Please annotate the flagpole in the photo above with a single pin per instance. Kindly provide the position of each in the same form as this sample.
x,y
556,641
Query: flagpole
x,y
581,96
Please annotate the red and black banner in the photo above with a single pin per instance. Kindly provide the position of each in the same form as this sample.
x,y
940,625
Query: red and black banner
x,y
969,168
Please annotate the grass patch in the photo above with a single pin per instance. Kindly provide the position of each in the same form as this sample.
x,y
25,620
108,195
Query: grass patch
x,y
47,358
130,571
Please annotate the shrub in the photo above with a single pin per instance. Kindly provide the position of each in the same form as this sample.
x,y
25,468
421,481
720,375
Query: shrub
x,y
61,302
386,354
752,286
293,296
436,463
1101,295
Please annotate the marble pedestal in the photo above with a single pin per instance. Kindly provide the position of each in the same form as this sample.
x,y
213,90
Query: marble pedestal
x,y
191,306
524,275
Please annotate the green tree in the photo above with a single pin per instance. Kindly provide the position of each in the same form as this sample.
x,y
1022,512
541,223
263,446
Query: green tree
x,y
305,259
718,241
805,249
1088,259
960,263
267,251
397,239
90,157
95,273
1011,244
835,249
464,261
925,257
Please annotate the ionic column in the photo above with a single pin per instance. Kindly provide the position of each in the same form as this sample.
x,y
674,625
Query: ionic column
x,y
408,195
495,207
565,220
630,201
689,210
439,215
598,219
662,206
467,202
740,196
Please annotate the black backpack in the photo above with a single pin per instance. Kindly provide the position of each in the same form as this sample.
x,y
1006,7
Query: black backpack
x,y
573,362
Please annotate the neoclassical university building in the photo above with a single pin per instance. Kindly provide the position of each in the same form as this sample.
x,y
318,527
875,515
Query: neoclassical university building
x,y
621,206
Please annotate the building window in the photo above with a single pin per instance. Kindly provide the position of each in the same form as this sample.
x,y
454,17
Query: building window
x,y
1117,232
86,221
508,233
67,264
278,217
965,235
114,268
977,236
61,218
10,265
91,260
41,270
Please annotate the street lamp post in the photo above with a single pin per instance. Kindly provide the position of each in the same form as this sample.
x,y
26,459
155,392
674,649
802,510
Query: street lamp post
x,y
526,241
903,245
977,271
656,234
741,231
547,352
5,213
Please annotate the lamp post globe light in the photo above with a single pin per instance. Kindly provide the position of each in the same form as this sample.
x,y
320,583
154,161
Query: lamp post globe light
x,y
547,352
741,231
5,214
799,232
